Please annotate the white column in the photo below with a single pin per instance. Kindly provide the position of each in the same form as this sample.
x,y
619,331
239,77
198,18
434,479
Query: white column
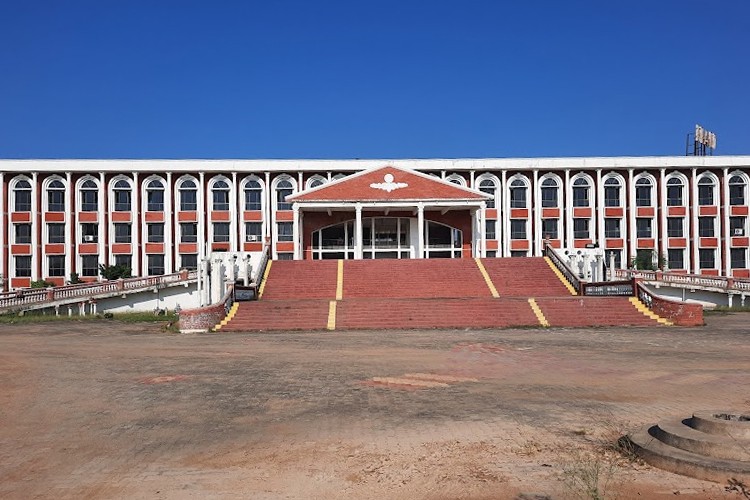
x,y
471,179
504,215
482,231
268,206
568,207
296,232
68,224
170,249
234,216
631,243
536,197
4,210
692,233
202,236
358,231
724,221
420,229
35,254
663,208
599,211
135,225
101,209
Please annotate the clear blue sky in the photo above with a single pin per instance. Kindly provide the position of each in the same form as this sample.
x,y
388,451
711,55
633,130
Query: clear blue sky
x,y
370,79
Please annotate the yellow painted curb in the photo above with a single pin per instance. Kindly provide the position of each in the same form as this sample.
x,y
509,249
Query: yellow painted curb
x,y
332,315
340,281
265,278
641,307
228,317
486,277
538,312
560,276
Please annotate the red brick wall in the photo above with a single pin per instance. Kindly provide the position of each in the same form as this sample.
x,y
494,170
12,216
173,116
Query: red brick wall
x,y
202,319
679,313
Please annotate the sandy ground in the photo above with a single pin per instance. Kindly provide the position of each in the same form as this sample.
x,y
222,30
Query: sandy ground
x,y
108,410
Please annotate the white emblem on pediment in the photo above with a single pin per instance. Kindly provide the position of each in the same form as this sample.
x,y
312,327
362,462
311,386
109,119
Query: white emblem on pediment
x,y
388,185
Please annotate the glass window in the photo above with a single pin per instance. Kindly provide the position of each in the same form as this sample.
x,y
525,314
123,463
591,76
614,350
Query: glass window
x,y
518,229
581,189
611,192
283,189
706,227
643,227
221,232
89,233
23,234
487,186
315,181
706,191
489,230
674,192
155,233
285,256
89,265
254,231
581,229
155,265
122,196
519,253
675,227
89,196
56,265
616,254
56,196
676,258
549,193
188,196
220,193
737,226
736,190
707,258
123,232
23,266
643,192
549,229
188,232
124,261
22,196
253,195
189,261
612,228
285,231
738,258
155,196
55,233
517,194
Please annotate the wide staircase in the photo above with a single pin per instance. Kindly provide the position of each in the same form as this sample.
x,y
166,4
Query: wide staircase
x,y
425,293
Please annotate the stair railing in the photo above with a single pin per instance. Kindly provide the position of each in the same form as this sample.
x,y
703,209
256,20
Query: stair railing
x,y
563,267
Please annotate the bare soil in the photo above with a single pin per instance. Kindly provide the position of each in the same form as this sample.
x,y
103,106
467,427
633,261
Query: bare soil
x,y
110,410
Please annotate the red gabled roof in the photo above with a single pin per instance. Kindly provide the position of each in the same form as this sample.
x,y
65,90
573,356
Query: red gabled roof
x,y
389,184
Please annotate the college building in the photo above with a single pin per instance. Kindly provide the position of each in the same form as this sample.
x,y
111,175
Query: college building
x,y
64,217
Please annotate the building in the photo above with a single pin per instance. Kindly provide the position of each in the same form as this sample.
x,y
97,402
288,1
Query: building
x,y
68,216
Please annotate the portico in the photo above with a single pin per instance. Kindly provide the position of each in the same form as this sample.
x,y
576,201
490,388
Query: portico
x,y
388,213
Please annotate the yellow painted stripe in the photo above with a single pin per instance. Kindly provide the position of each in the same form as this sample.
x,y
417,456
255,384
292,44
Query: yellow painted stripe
x,y
228,318
265,278
332,315
641,307
486,277
560,276
538,312
340,281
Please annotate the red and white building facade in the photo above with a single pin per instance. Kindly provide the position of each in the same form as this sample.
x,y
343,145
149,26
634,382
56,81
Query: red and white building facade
x,y
61,217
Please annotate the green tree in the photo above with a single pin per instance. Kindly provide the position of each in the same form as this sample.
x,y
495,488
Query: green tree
x,y
114,272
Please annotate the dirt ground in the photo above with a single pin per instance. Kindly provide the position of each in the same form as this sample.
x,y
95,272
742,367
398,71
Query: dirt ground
x,y
109,410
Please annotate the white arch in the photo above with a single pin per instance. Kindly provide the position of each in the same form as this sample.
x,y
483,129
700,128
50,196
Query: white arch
x,y
456,179
315,178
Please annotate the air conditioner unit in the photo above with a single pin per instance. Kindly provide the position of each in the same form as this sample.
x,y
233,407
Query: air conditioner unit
x,y
739,231
253,237
89,238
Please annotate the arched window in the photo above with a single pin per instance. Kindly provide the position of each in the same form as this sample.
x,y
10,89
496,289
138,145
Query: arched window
x,y
89,196
315,181
581,190
22,196
122,195
56,196
253,195
284,188
488,186
612,190
220,195
456,179
706,187
550,189
737,187
338,176
188,192
155,196
643,190
675,187
518,193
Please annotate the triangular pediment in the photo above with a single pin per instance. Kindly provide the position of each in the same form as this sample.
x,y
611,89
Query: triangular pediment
x,y
389,183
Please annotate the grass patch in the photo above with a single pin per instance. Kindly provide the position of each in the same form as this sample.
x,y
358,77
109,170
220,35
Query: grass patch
x,y
132,317
726,309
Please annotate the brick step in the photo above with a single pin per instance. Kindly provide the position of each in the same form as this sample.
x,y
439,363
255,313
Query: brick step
x,y
280,315
524,277
592,311
301,279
